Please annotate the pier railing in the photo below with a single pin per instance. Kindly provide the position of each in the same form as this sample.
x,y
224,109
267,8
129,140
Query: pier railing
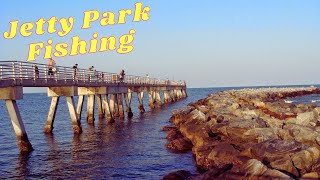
x,y
39,75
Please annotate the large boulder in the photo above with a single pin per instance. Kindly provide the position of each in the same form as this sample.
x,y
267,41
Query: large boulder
x,y
261,134
304,134
255,169
235,129
305,119
178,115
180,144
305,159
178,175
197,134
279,154
174,134
197,116
212,173
224,154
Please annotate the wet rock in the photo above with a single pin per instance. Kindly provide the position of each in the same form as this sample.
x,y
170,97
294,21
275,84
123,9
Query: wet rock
x,y
174,134
224,154
275,149
178,115
178,175
255,169
169,128
181,144
279,154
212,173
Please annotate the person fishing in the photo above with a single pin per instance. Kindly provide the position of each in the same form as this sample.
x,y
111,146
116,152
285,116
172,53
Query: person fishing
x,y
91,71
36,71
51,67
122,75
75,70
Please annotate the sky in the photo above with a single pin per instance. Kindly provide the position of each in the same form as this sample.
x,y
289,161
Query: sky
x,y
209,43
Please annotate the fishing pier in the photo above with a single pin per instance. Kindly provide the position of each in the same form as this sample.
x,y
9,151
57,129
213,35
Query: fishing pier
x,y
107,91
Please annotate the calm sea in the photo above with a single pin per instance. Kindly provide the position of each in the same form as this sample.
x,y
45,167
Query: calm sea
x,y
127,149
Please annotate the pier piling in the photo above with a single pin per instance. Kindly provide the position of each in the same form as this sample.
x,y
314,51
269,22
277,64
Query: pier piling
x,y
158,99
120,106
52,114
76,124
151,99
128,97
112,104
100,109
18,126
90,109
116,106
80,105
108,114
140,99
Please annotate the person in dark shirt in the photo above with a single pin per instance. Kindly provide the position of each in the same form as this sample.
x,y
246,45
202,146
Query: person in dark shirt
x,y
75,70
36,71
122,75
91,72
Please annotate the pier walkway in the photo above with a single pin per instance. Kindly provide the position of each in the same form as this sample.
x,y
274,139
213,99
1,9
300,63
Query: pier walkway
x,y
106,90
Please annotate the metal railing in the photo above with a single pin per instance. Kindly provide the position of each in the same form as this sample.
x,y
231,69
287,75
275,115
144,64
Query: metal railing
x,y
35,72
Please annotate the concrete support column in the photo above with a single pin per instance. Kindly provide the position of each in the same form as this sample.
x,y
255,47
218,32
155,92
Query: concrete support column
x,y
76,124
79,106
100,109
52,114
151,99
179,94
120,106
158,98
112,104
175,94
140,99
22,137
172,95
184,94
128,97
116,106
90,109
108,114
154,96
167,97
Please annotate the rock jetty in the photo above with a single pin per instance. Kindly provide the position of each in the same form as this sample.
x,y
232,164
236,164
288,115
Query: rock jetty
x,y
249,134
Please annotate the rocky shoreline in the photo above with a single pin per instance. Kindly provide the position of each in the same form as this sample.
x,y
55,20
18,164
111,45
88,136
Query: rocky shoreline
x,y
249,134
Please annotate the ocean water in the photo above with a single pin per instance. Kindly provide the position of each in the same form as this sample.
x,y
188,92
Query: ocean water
x,y
127,149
